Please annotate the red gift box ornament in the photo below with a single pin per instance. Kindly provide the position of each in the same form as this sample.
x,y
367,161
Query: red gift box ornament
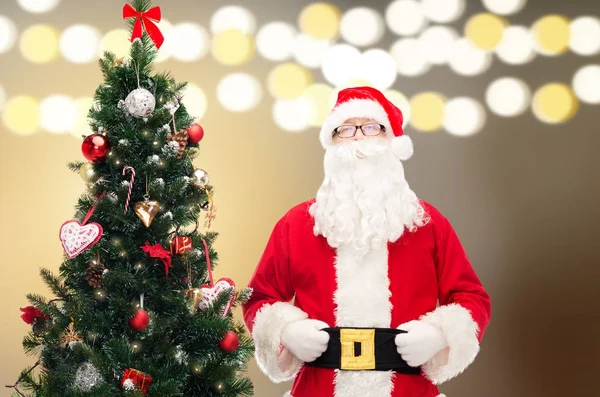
x,y
181,244
135,380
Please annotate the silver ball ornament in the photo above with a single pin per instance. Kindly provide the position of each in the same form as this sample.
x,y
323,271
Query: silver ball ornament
x,y
87,377
200,178
140,103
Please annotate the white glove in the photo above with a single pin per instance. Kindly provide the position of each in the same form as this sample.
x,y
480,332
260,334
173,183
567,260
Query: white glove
x,y
421,342
305,340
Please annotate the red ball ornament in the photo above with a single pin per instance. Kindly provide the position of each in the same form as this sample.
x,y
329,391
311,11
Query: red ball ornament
x,y
95,147
230,342
140,321
195,133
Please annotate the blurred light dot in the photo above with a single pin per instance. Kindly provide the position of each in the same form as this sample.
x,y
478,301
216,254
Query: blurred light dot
x,y
58,114
427,111
586,83
362,26
508,97
401,102
165,51
21,115
342,63
80,43
467,60
410,57
8,34
232,17
320,21
516,46
405,17
239,92
552,35
436,42
378,68
504,7
190,42
117,42
485,30
585,36
233,47
288,80
275,41
38,6
443,11
319,94
2,97
194,100
310,52
39,44
555,103
81,126
464,116
293,115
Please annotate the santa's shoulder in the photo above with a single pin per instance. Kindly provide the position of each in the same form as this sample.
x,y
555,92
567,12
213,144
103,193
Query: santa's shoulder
x,y
300,212
433,215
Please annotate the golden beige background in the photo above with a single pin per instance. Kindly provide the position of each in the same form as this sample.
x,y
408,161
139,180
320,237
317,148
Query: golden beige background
x,y
522,195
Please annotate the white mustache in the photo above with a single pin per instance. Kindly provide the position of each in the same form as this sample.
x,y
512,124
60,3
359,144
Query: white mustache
x,y
365,149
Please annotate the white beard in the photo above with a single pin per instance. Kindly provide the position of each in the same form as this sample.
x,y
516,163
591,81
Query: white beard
x,y
365,199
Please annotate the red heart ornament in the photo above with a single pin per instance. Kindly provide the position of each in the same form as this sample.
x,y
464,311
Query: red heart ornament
x,y
210,294
77,238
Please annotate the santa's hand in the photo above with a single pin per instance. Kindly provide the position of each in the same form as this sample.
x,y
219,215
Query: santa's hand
x,y
420,343
305,340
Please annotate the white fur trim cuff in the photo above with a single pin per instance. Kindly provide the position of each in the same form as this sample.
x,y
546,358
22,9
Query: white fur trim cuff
x,y
460,331
268,325
402,146
353,108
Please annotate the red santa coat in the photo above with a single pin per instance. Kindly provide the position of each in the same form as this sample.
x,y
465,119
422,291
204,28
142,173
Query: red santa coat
x,y
425,275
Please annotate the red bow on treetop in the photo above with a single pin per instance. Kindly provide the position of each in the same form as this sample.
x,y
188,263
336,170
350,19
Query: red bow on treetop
x,y
146,20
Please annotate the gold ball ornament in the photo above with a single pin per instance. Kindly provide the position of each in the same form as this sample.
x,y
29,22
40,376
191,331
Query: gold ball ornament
x,y
88,173
200,178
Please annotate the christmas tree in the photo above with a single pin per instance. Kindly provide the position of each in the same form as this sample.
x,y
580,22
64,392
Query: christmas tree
x,y
136,310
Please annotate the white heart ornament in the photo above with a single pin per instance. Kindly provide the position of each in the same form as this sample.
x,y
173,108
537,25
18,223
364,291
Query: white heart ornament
x,y
76,238
210,294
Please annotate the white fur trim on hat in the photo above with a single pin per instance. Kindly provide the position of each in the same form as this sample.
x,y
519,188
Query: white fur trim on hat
x,y
402,146
350,109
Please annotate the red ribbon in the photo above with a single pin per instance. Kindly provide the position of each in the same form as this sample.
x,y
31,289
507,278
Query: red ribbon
x,y
145,20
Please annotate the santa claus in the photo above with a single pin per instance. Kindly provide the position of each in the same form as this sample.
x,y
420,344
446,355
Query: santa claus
x,y
385,300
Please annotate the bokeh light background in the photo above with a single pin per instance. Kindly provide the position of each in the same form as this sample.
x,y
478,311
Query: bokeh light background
x,y
476,76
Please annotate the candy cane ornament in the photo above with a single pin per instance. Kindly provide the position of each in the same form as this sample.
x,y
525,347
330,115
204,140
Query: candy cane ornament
x,y
129,168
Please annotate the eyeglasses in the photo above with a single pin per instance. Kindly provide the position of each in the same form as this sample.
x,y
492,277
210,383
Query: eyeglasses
x,y
349,131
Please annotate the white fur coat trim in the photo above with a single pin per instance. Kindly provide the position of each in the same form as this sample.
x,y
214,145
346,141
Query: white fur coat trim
x,y
363,300
268,325
460,331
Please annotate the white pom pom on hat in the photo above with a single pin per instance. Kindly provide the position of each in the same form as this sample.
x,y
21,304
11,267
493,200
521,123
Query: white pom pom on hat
x,y
370,103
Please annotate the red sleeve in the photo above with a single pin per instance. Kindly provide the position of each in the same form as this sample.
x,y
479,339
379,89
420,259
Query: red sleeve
x,y
464,305
458,282
271,279
268,310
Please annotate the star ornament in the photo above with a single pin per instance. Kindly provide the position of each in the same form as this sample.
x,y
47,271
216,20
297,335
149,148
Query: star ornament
x,y
157,251
69,336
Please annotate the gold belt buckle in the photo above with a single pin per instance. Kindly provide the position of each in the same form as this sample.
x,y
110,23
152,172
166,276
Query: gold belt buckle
x,y
348,338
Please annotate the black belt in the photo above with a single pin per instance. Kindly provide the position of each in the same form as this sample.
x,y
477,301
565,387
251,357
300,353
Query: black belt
x,y
363,349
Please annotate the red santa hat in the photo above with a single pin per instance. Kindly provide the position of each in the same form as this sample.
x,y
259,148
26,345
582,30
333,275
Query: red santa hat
x,y
371,103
